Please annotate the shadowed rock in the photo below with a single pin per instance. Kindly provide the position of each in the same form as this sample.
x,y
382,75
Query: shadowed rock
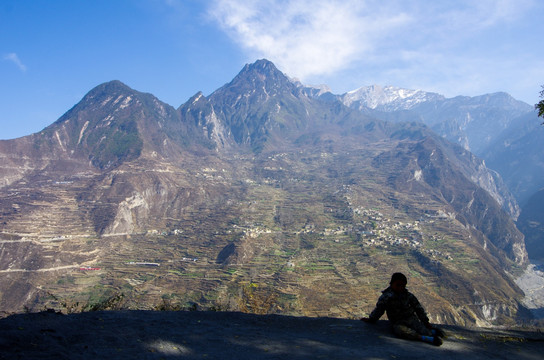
x,y
223,335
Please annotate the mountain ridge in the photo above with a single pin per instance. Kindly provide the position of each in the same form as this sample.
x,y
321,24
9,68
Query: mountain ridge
x,y
257,183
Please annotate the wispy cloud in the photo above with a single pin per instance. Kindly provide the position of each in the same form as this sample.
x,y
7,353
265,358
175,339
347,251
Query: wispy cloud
x,y
416,39
306,37
15,59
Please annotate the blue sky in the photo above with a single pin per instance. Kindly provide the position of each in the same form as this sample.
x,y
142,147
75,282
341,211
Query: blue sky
x,y
52,52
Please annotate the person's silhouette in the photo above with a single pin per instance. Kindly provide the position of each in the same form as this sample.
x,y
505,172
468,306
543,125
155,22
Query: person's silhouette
x,y
408,318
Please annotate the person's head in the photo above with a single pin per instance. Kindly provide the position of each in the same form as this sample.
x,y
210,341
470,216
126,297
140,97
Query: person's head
x,y
398,282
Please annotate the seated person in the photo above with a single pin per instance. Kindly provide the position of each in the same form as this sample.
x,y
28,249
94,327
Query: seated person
x,y
405,313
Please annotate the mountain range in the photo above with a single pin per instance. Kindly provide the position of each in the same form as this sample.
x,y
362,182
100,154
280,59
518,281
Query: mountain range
x,y
265,196
497,128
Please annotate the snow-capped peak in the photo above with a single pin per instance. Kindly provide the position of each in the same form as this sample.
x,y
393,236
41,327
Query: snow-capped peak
x,y
387,98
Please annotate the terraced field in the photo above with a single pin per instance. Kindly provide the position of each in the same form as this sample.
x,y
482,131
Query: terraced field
x,y
302,233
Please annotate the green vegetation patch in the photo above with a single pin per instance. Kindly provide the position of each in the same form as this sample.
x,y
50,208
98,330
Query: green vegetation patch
x,y
115,144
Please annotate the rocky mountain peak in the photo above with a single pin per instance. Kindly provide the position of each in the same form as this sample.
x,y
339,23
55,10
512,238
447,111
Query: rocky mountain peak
x,y
199,96
262,65
501,100
259,81
113,123
103,94
258,102
113,86
108,96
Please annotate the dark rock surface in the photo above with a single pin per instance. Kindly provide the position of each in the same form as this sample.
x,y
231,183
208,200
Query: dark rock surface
x,y
224,335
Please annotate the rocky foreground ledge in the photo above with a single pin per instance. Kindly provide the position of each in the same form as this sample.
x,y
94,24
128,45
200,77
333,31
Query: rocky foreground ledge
x,y
223,335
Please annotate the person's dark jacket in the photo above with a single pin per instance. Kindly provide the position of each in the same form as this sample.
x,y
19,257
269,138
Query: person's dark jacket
x,y
399,307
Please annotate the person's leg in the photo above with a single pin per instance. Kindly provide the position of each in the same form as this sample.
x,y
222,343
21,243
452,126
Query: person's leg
x,y
418,326
406,332
409,331
438,332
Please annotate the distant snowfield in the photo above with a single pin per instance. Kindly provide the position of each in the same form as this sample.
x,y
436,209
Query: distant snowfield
x,y
532,284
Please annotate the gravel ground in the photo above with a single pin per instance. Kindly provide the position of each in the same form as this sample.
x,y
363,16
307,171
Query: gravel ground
x,y
532,284
223,335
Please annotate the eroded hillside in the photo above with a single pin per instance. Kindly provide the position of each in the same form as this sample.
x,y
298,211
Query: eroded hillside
x,y
256,198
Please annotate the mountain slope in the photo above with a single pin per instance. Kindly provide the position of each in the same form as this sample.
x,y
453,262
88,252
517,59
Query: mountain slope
x,y
503,131
427,169
256,198
262,108
387,98
531,223
473,122
111,125
518,154
476,123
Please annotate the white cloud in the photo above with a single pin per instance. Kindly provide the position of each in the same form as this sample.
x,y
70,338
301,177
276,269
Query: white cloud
x,y
448,46
15,59
306,37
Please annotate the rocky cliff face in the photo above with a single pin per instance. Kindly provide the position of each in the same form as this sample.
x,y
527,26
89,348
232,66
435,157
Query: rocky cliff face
x,y
427,169
518,155
496,127
256,198
531,223
474,123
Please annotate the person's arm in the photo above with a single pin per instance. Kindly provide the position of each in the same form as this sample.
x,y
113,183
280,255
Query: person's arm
x,y
420,311
375,315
